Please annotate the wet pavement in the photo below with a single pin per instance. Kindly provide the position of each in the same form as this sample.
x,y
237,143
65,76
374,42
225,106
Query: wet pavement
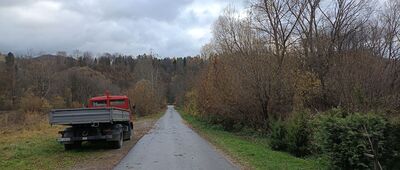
x,y
171,145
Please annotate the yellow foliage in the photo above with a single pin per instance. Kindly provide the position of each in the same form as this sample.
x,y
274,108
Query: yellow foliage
x,y
191,102
45,107
76,104
32,103
144,98
307,85
58,102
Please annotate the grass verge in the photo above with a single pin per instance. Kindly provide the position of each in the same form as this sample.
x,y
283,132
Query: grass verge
x,y
35,147
149,117
250,152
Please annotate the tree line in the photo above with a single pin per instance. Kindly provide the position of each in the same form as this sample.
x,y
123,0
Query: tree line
x,y
37,84
284,56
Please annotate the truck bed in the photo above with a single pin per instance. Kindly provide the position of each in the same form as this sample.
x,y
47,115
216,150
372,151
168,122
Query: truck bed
x,y
87,116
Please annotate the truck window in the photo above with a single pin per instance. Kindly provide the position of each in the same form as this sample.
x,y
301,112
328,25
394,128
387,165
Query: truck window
x,y
117,102
100,103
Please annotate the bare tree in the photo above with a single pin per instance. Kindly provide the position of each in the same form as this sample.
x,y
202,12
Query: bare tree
x,y
391,29
234,34
277,20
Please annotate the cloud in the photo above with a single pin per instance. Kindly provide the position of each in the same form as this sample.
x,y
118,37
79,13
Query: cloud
x,y
169,28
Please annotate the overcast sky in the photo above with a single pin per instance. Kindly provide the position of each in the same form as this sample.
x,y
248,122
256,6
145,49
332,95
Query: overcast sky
x,y
167,27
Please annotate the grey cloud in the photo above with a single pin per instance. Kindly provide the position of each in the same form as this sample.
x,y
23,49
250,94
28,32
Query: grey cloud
x,y
7,3
134,9
164,10
124,26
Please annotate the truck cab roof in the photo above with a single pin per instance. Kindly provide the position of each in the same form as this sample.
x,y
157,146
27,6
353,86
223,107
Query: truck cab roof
x,y
121,102
108,97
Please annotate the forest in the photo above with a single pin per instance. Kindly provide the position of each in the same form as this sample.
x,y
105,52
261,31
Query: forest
x,y
280,69
37,84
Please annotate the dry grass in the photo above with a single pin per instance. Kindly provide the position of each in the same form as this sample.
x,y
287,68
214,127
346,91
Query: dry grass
x,y
17,126
2,58
22,134
16,121
29,142
27,130
154,116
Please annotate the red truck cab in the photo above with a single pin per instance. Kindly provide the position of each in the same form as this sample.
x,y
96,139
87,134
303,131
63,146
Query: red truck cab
x,y
121,102
107,101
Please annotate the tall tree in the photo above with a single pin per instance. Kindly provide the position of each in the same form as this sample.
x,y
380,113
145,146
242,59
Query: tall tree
x,y
12,74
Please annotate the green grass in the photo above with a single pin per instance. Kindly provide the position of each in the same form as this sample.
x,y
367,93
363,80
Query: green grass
x,y
251,152
154,116
37,148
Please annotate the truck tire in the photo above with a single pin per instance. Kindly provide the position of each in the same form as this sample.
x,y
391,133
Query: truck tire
x,y
71,146
69,133
128,133
118,144
68,147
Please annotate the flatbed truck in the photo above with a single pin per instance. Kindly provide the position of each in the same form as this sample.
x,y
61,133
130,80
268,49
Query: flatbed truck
x,y
107,118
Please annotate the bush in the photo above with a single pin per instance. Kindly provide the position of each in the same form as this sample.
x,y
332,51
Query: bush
x,y
293,136
278,136
32,103
352,142
190,104
5,103
57,102
228,123
299,134
144,97
392,146
76,104
45,106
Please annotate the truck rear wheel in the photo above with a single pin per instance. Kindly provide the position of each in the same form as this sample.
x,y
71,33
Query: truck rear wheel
x,y
118,144
71,146
128,133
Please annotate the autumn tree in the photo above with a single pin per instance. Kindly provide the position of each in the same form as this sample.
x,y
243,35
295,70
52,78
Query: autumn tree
x,y
144,98
287,56
11,70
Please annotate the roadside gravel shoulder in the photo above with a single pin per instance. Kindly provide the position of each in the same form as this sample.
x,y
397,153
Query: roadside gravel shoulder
x,y
111,157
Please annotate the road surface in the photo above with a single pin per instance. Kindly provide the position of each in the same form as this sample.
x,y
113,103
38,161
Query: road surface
x,y
171,145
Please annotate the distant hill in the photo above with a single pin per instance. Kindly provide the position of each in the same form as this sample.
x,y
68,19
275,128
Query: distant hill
x,y
57,63
53,58
50,57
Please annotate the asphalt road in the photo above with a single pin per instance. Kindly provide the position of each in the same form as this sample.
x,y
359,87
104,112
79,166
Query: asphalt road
x,y
171,145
